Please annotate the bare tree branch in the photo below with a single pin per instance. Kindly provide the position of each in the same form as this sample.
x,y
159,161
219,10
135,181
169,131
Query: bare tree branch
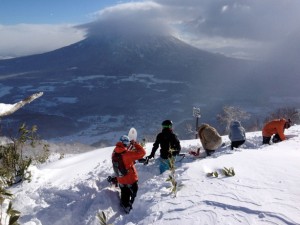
x,y
285,112
231,113
20,104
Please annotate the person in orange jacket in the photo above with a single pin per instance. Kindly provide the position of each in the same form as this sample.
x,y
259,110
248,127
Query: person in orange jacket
x,y
129,182
275,127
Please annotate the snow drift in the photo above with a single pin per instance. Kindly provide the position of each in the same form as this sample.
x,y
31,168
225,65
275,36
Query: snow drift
x,y
265,189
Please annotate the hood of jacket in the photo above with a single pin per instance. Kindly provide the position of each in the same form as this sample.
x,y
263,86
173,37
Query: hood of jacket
x,y
120,147
235,124
202,127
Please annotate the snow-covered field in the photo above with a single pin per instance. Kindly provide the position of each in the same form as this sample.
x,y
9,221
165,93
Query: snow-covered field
x,y
265,189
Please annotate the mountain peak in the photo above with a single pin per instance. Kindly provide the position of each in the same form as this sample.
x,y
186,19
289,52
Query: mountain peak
x,y
113,55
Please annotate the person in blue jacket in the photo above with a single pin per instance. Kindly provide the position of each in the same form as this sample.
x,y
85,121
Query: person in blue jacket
x,y
237,134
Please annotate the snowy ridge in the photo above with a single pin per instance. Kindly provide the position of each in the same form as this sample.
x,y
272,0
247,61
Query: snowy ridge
x,y
265,189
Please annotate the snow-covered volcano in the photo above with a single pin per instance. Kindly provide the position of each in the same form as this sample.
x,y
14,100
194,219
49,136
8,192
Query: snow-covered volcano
x,y
163,55
99,85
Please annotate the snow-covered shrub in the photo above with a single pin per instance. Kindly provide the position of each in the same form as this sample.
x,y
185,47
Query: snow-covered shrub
x,y
15,160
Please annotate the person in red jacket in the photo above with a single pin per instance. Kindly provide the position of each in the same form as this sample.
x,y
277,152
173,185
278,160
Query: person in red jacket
x,y
129,182
275,127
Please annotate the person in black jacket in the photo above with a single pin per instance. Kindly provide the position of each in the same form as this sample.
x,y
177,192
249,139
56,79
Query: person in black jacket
x,y
169,145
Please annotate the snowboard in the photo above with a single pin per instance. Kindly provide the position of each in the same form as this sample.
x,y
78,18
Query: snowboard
x,y
132,134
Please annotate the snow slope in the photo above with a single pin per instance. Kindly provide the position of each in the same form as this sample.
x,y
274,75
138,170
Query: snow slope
x,y
265,189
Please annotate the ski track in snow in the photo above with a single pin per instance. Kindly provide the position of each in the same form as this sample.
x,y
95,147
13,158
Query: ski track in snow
x,y
71,191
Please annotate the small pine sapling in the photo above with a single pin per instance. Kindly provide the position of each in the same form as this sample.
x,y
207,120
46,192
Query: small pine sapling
x,y
102,218
228,172
11,214
213,174
172,177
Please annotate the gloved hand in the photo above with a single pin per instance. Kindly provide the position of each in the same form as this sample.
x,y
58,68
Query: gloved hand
x,y
133,142
112,180
176,152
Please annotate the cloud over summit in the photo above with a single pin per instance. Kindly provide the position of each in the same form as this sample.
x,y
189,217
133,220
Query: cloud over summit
x,y
129,19
232,27
247,28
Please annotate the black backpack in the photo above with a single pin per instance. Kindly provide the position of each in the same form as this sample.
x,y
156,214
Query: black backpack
x,y
118,164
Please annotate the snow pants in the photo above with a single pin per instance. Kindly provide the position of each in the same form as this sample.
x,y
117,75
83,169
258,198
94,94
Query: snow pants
x,y
236,144
128,194
164,164
275,139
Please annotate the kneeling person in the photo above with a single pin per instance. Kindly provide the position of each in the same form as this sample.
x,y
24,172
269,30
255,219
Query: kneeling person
x,y
237,134
275,127
210,138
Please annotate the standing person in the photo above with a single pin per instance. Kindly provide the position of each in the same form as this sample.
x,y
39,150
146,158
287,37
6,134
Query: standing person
x,y
237,134
210,138
169,145
275,127
128,181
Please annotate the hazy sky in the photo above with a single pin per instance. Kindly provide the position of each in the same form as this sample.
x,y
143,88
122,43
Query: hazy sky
x,y
241,28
